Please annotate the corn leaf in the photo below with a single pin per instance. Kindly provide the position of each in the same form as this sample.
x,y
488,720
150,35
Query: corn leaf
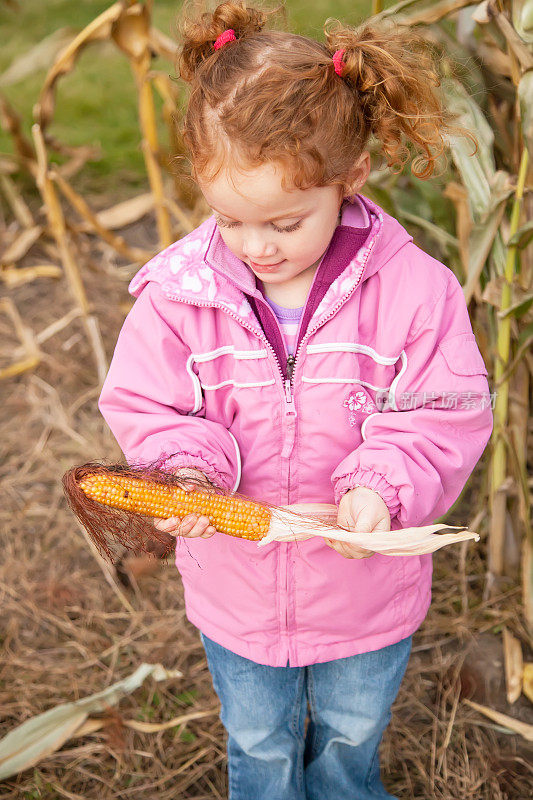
x,y
523,19
441,236
515,725
527,681
518,309
526,337
17,276
126,212
38,737
434,12
429,13
131,31
522,237
24,241
477,169
163,45
399,7
525,98
487,189
481,240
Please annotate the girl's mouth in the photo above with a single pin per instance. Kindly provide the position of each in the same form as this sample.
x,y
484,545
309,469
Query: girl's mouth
x,y
266,267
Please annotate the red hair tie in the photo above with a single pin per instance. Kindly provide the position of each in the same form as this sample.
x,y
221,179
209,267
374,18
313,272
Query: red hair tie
x,y
338,62
224,38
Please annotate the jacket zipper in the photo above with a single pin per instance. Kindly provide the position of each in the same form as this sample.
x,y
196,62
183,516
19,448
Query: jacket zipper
x,y
290,366
291,360
286,382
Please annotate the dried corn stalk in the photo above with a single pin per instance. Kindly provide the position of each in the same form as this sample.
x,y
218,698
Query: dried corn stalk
x,y
98,30
127,24
514,665
32,355
58,227
131,32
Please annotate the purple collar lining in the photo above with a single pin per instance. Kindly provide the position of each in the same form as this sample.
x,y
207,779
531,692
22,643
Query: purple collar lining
x,y
345,243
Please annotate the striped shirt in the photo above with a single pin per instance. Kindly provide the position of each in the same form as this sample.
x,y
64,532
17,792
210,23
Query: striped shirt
x,y
288,320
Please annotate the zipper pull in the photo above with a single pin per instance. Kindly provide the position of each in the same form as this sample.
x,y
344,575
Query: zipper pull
x,y
291,360
289,398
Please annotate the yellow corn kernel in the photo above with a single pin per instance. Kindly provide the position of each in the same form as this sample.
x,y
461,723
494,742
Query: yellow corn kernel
x,y
232,515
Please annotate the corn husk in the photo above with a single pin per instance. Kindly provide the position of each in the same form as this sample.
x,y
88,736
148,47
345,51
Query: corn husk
x,y
290,524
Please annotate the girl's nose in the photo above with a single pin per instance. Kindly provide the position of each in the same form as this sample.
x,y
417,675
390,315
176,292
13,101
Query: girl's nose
x,y
257,246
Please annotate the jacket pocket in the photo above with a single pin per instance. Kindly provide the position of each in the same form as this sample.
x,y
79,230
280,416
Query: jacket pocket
x,y
462,355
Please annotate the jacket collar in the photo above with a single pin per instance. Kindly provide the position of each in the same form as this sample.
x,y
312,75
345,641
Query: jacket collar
x,y
355,216
200,270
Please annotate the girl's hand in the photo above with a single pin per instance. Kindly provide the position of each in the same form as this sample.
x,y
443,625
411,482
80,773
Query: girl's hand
x,y
192,525
360,509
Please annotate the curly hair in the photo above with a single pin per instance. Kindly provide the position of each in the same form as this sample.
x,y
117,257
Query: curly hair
x,y
272,96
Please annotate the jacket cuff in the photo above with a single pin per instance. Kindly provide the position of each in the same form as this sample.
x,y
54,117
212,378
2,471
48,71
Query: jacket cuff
x,y
179,460
371,480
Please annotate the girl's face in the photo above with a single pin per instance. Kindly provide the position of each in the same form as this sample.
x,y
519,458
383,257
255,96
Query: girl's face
x,y
279,234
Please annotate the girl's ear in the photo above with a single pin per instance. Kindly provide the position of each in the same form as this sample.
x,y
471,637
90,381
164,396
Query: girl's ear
x,y
359,174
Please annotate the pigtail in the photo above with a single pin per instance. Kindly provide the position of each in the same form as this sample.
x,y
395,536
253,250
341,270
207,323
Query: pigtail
x,y
394,78
200,33
272,96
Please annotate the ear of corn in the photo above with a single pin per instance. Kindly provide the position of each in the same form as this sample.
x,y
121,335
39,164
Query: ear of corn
x,y
114,504
231,515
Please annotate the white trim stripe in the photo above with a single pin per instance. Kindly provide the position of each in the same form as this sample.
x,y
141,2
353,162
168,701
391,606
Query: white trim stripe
x,y
358,381
196,385
352,347
210,355
394,384
229,349
363,426
239,464
237,385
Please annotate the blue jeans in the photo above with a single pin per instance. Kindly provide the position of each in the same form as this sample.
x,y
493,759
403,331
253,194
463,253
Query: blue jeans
x,y
271,754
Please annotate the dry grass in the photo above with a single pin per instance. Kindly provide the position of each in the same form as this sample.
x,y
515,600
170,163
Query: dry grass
x,y
66,632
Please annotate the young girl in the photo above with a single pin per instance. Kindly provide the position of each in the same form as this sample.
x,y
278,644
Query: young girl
x,y
298,347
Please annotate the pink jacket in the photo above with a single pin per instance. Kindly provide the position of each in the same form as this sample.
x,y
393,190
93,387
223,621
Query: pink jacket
x,y
388,391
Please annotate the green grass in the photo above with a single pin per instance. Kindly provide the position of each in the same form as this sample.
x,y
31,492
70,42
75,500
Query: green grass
x,y
97,102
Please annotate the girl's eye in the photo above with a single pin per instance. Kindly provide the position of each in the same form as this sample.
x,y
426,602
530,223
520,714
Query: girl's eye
x,y
289,228
226,224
